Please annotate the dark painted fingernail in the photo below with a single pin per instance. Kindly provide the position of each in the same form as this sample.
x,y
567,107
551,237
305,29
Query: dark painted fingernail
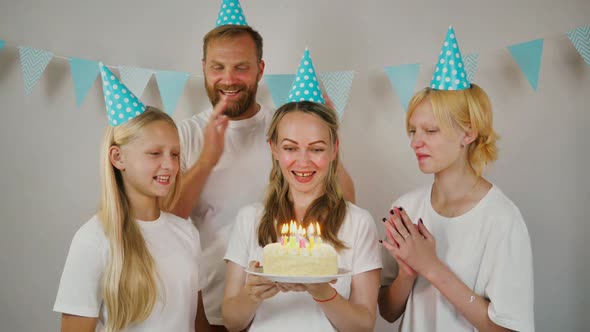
x,y
391,211
383,219
380,241
401,208
420,220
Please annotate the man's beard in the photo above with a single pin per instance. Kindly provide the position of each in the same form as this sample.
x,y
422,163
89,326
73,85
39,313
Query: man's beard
x,y
235,108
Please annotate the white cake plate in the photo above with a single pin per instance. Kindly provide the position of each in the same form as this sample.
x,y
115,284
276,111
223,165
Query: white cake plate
x,y
299,279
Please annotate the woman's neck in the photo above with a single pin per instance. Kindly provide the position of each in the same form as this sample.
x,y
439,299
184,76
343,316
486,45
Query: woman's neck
x,y
302,202
457,191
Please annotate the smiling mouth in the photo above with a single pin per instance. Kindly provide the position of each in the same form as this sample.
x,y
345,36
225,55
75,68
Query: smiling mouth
x,y
303,174
163,179
230,93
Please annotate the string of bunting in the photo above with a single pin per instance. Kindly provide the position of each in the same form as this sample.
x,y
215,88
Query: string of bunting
x,y
337,85
527,56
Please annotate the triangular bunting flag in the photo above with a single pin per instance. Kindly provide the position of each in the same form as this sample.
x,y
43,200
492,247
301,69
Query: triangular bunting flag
x,y
83,73
171,84
470,61
580,37
279,85
403,78
135,78
33,62
528,57
2,43
337,85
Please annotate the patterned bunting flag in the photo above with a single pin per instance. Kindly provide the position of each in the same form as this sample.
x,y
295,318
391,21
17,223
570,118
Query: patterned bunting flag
x,y
135,78
33,62
403,78
171,84
528,57
470,61
337,85
84,73
580,37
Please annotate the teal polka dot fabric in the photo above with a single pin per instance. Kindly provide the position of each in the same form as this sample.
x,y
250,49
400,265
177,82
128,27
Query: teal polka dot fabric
x,y
449,71
231,13
122,105
306,86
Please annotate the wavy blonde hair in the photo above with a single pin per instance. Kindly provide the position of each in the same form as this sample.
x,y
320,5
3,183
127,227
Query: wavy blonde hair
x,y
129,284
468,109
329,209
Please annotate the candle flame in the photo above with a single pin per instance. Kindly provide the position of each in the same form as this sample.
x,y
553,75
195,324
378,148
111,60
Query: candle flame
x,y
311,230
284,229
317,225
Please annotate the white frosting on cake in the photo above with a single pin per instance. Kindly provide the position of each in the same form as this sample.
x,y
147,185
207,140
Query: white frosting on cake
x,y
277,259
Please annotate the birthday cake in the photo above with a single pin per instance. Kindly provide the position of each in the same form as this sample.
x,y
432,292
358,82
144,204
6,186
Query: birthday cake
x,y
300,256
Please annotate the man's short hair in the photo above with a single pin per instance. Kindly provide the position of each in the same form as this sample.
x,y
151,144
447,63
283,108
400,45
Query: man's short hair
x,y
233,31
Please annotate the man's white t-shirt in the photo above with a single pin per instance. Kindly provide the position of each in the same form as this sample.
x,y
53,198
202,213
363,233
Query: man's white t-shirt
x,y
298,310
239,178
488,248
174,245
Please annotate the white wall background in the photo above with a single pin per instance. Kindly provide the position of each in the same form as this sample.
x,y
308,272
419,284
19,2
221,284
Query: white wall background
x,y
50,149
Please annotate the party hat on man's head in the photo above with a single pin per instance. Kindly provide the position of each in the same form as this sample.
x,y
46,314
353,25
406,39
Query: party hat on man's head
x,y
121,103
306,85
231,13
449,73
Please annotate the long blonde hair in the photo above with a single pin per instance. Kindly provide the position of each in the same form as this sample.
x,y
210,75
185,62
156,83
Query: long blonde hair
x,y
129,286
468,109
329,209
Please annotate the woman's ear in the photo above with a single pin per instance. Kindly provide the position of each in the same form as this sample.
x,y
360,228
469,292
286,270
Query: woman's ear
x,y
470,136
336,149
273,150
116,157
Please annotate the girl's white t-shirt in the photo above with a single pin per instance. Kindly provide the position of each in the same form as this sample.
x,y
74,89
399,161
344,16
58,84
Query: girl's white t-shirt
x,y
174,245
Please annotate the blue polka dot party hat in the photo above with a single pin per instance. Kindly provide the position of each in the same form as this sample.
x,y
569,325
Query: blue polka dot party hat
x,y
306,85
122,105
449,71
231,13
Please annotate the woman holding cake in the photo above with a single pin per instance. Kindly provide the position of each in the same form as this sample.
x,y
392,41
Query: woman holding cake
x,y
478,273
303,138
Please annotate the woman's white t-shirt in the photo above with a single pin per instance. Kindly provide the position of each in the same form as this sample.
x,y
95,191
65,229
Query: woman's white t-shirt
x,y
297,310
488,248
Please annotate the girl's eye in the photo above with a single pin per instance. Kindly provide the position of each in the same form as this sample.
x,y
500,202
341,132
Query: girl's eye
x,y
318,150
288,148
432,131
175,155
154,153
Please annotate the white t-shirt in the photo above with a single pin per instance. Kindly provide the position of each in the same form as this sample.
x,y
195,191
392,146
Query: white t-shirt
x,y
238,179
488,248
174,245
285,311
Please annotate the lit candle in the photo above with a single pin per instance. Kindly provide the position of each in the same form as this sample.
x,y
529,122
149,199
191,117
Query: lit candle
x,y
292,231
284,231
311,233
302,240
